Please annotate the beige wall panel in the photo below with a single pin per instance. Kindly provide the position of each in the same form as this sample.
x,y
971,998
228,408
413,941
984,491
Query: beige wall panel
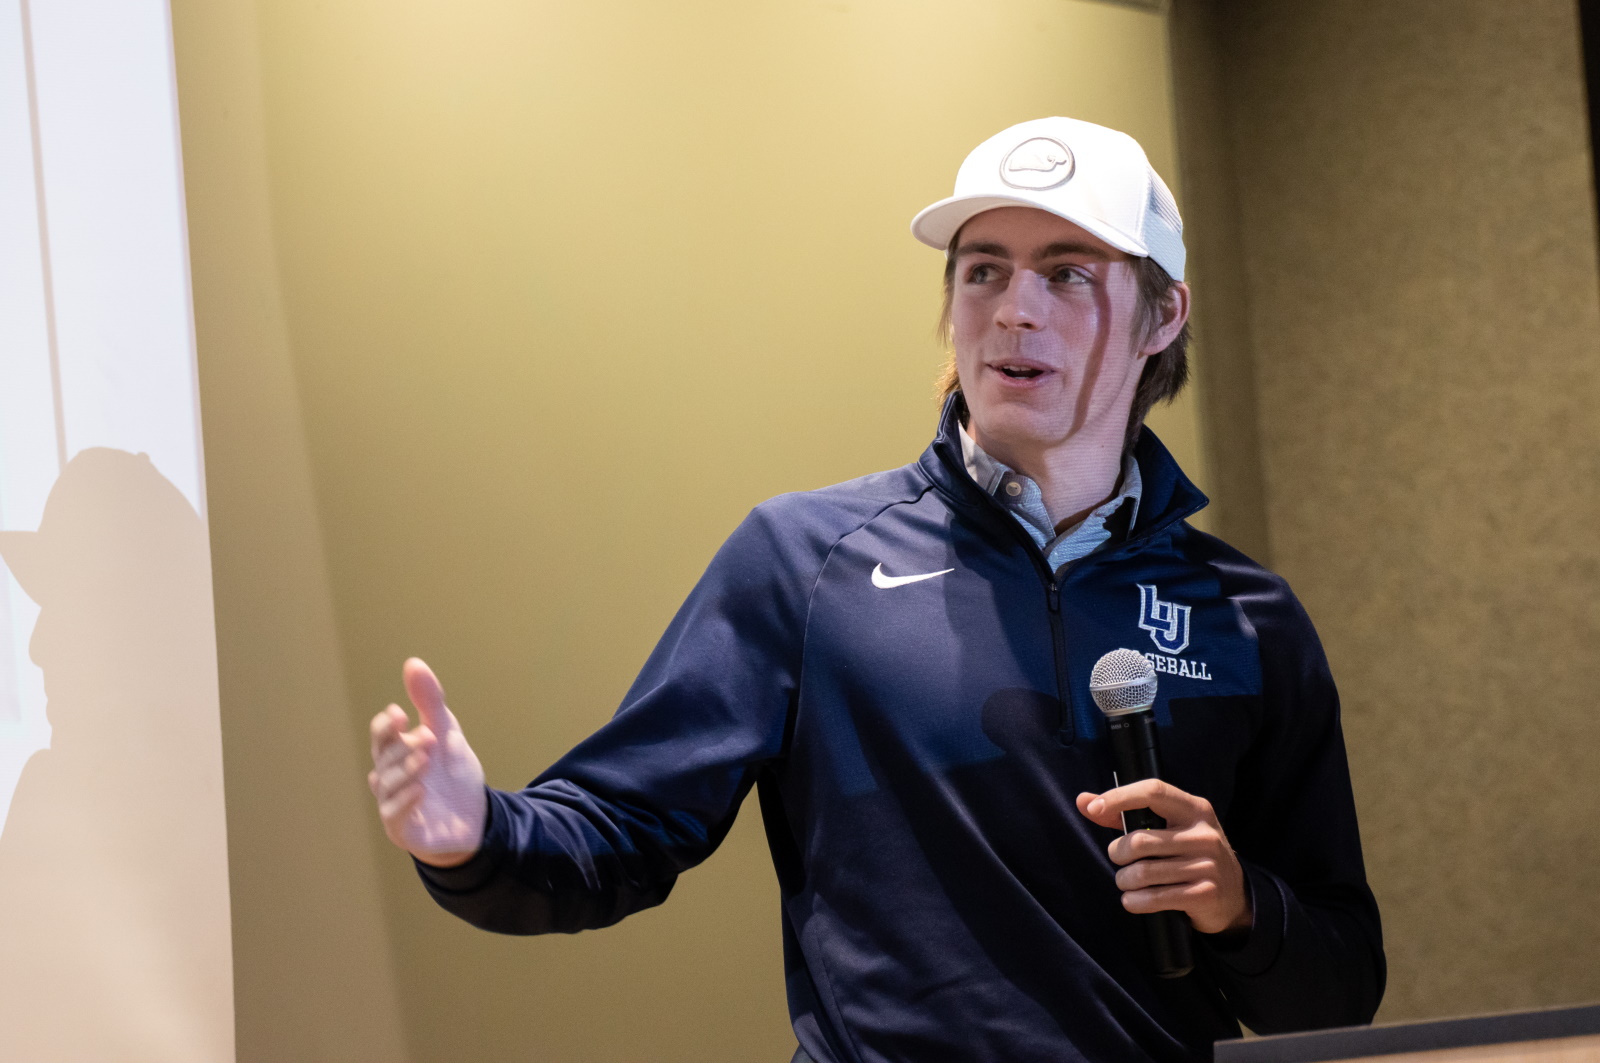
x,y
1224,395
569,288
312,969
1416,201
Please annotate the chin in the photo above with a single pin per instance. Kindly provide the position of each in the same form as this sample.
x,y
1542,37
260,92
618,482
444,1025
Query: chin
x,y
1016,414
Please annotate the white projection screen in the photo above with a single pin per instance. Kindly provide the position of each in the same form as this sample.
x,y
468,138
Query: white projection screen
x,y
114,926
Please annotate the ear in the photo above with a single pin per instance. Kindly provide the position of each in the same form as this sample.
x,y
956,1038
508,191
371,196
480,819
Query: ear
x,y
1174,313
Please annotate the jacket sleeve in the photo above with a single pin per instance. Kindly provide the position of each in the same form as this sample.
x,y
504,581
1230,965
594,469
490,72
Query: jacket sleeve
x,y
1313,957
608,828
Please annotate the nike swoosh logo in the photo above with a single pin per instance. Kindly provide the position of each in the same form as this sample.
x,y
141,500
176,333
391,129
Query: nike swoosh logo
x,y
883,582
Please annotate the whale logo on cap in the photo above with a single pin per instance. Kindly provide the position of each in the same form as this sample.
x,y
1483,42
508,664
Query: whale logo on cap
x,y
1037,164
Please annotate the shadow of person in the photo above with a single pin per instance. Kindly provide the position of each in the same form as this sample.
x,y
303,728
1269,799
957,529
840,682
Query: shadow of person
x,y
114,931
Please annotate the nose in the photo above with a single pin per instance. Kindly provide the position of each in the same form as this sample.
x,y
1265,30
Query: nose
x,y
1023,306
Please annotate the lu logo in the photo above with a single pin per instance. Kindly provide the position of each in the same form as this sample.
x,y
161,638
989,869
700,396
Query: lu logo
x,y
1167,622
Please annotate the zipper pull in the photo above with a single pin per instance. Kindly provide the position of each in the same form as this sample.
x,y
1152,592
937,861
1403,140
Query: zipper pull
x,y
1054,594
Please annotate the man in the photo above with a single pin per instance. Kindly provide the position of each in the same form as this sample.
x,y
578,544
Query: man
x,y
900,663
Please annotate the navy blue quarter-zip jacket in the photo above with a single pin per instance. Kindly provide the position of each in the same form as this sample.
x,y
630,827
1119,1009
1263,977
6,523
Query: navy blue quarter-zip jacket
x,y
918,747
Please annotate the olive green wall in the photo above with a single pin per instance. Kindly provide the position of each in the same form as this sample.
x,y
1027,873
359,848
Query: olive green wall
x,y
313,977
1420,318
508,312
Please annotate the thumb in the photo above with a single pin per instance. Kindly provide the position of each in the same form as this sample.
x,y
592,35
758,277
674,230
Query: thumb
x,y
423,688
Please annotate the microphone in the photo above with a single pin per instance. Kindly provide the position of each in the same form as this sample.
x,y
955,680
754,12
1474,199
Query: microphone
x,y
1123,685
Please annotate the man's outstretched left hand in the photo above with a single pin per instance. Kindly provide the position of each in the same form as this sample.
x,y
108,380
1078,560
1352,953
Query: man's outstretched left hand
x,y
1188,867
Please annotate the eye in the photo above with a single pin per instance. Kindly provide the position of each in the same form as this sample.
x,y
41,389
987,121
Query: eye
x,y
981,273
1070,275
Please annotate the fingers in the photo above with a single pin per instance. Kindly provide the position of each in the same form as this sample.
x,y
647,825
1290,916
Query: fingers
x,y
1197,839
401,763
1189,897
426,693
389,730
389,723
1165,800
396,807
1093,808
1201,879
1171,871
1187,867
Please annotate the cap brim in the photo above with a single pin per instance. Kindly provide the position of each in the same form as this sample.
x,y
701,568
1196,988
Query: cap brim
x,y
938,224
20,550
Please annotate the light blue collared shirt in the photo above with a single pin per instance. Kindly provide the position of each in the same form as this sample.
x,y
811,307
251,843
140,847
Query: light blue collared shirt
x,y
1024,501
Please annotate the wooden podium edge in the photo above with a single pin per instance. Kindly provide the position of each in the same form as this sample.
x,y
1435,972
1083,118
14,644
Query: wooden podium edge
x,y
1354,1042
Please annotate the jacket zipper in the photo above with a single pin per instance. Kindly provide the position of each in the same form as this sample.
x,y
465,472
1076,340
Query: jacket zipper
x,y
1067,733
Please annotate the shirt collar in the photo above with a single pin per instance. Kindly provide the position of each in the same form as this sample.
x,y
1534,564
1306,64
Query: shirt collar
x,y
984,470
990,475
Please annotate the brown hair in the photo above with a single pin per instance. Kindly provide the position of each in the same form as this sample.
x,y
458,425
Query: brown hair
x,y
1165,372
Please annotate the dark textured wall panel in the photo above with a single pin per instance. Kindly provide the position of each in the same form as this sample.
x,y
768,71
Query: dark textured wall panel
x,y
1416,216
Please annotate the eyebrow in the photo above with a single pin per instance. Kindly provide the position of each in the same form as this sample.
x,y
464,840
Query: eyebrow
x,y
1055,250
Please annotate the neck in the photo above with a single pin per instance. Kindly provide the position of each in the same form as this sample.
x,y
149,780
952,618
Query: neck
x,y
1074,476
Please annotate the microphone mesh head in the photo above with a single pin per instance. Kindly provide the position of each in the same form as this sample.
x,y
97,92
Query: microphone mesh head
x,y
1123,681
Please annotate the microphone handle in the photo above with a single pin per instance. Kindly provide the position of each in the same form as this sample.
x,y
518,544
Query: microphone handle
x,y
1133,749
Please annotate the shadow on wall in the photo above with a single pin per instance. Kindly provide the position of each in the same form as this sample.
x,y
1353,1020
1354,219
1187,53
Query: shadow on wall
x,y
113,861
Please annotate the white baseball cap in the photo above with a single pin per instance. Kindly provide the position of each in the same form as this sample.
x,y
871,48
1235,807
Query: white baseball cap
x,y
1094,177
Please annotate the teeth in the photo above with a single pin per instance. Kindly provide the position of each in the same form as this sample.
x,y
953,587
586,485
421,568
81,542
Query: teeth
x,y
1019,371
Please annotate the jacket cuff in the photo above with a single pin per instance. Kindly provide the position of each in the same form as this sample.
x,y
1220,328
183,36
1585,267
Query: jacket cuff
x,y
1254,952
484,864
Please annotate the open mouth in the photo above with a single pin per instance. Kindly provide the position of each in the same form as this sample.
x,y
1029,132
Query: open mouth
x,y
1020,372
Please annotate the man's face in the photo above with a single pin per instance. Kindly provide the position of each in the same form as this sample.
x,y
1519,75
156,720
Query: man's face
x,y
1044,319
